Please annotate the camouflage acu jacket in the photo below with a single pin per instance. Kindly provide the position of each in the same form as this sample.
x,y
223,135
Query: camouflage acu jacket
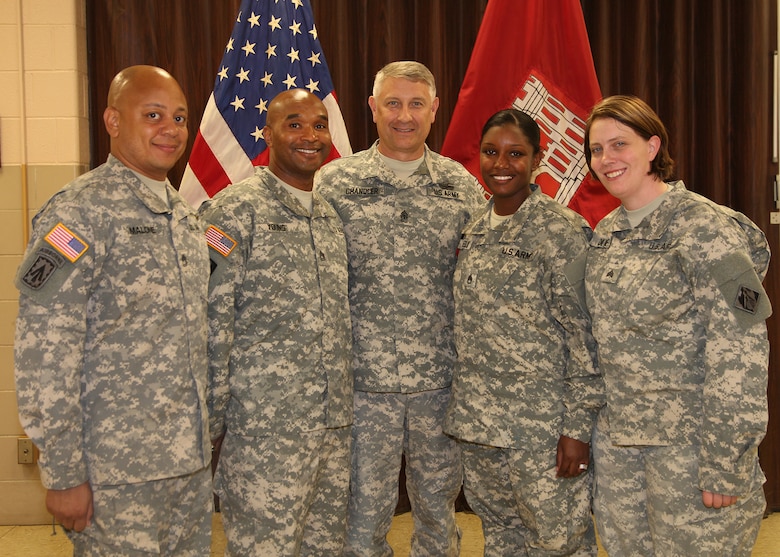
x,y
111,335
280,342
679,315
402,238
526,370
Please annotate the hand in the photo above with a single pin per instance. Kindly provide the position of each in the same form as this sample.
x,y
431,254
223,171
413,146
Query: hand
x,y
72,507
571,453
717,500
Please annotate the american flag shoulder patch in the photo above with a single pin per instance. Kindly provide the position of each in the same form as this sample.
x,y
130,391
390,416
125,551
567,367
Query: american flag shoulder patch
x,y
66,242
219,241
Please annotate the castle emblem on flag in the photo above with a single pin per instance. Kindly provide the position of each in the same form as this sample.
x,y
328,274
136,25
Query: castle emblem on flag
x,y
563,136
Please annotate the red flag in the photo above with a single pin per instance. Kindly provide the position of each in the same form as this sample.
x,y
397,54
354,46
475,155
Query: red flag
x,y
534,55
273,47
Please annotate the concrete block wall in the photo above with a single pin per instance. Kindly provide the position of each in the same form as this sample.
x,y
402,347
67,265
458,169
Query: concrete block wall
x,y
44,144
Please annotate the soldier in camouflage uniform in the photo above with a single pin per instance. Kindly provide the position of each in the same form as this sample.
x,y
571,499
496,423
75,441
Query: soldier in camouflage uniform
x,y
403,208
111,339
525,392
673,284
280,386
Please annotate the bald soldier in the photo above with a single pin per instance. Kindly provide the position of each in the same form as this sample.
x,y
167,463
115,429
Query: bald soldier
x,y
110,350
280,380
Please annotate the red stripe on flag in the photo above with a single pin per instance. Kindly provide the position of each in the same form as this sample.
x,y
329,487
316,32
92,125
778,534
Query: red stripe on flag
x,y
206,167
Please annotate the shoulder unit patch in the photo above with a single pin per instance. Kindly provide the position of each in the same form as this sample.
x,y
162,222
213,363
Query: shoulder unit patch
x,y
747,299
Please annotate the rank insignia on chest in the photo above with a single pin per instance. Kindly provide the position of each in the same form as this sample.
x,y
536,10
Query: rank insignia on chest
x,y
471,280
66,242
611,275
219,241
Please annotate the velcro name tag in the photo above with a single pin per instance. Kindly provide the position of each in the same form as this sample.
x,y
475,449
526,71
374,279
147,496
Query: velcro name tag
x,y
446,191
364,190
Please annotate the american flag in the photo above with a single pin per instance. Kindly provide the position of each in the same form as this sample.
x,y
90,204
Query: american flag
x,y
220,241
66,242
273,47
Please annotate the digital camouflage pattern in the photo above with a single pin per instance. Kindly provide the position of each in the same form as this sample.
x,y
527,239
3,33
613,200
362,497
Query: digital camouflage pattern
x,y
169,517
279,355
402,239
110,349
642,494
279,348
389,424
525,375
679,316
525,509
285,494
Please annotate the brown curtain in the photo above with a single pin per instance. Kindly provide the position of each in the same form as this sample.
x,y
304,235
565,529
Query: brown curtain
x,y
704,65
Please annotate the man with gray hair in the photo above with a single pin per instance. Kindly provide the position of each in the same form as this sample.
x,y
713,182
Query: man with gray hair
x,y
403,208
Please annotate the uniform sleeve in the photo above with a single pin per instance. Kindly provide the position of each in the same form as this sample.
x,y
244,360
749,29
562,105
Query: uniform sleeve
x,y
54,280
733,308
583,384
223,238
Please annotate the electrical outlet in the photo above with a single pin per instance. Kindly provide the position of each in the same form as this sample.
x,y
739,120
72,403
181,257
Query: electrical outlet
x,y
774,217
26,452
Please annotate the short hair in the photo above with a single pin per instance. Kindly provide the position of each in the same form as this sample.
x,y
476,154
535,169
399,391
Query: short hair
x,y
637,115
527,125
413,71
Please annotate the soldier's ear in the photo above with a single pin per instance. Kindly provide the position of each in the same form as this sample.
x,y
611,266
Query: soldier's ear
x,y
653,145
111,120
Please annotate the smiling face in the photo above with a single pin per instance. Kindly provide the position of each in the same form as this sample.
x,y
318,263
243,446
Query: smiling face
x,y
621,159
507,161
297,136
403,111
146,118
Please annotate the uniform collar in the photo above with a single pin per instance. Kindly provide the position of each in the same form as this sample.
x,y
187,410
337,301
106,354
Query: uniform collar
x,y
271,181
653,226
517,220
375,167
179,208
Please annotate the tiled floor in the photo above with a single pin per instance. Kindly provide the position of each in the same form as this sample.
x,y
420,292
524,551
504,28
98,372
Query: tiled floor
x,y
42,541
